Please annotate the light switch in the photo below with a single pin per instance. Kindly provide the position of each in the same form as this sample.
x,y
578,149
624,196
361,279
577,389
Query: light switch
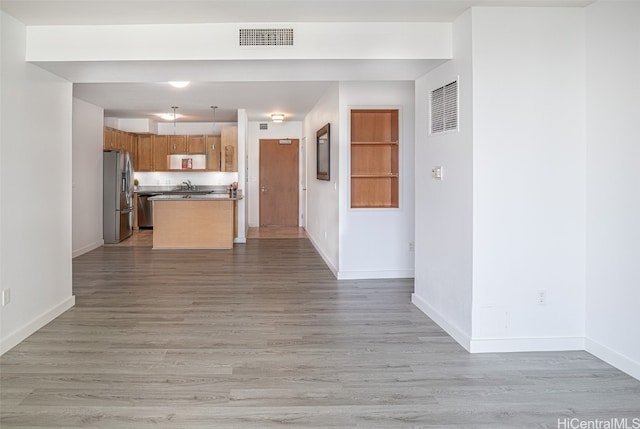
x,y
436,172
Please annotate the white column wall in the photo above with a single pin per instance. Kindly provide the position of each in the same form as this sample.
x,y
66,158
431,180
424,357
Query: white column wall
x,y
35,233
443,255
374,243
529,178
87,177
243,125
322,224
613,184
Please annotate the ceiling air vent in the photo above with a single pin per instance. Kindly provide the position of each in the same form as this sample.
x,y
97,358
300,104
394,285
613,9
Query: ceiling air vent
x,y
266,37
444,108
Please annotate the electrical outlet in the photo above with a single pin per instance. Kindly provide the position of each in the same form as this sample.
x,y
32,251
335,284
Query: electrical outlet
x,y
412,246
542,297
6,297
436,172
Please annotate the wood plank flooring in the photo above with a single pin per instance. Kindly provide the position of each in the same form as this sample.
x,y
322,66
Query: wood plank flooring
x,y
263,336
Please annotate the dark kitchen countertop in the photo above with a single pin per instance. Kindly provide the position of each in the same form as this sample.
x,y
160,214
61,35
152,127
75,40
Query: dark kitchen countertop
x,y
174,189
197,197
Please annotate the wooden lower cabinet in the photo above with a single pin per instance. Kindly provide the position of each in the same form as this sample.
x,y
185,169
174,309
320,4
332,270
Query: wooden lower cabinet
x,y
191,224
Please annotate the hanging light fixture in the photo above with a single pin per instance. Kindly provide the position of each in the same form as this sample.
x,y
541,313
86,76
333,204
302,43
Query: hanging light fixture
x,y
174,118
214,116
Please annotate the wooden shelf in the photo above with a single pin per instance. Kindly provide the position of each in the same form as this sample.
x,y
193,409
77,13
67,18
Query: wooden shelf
x,y
374,159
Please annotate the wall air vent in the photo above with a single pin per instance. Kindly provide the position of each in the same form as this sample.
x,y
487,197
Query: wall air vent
x,y
444,108
266,37
264,126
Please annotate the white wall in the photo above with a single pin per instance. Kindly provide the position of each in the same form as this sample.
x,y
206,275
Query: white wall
x,y
322,223
444,208
374,243
283,130
613,184
186,128
87,177
35,234
346,40
243,125
528,178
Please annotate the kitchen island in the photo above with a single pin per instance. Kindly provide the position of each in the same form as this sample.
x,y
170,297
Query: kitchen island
x,y
194,221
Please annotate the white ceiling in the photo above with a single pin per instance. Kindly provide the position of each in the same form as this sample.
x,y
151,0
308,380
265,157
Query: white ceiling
x,y
136,89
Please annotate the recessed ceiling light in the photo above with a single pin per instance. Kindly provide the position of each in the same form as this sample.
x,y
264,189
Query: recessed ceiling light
x,y
277,117
179,84
169,116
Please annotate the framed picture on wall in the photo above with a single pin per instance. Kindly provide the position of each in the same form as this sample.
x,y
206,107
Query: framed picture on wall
x,y
323,144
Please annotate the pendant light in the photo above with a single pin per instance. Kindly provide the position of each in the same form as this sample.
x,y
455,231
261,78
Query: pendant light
x,y
214,117
174,119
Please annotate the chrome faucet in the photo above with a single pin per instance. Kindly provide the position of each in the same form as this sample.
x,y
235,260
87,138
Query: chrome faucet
x,y
188,185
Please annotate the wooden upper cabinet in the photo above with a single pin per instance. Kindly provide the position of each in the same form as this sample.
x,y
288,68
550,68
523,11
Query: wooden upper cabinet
x,y
213,152
144,153
119,140
229,149
160,152
196,144
374,159
177,144
109,141
131,143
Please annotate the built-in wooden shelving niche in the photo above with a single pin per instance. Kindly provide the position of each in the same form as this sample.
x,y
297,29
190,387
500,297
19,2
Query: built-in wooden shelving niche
x,y
374,158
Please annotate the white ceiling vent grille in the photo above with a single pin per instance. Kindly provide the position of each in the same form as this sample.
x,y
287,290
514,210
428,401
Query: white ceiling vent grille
x,y
444,108
266,37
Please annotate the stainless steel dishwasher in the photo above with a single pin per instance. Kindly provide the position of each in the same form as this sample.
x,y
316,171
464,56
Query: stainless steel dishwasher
x,y
145,211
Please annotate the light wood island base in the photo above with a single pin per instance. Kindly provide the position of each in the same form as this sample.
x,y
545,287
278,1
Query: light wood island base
x,y
193,224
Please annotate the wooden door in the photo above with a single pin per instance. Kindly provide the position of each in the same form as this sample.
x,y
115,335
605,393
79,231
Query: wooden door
x,y
279,182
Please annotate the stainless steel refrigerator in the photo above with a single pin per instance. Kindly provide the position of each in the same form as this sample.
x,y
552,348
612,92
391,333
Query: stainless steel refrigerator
x,y
118,196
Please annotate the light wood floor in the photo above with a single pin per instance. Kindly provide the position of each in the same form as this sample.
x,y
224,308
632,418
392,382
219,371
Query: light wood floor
x,y
263,336
144,237
276,232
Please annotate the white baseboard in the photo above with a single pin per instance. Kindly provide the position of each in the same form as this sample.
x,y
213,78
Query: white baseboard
x,y
324,257
613,358
20,334
382,274
544,344
240,240
462,338
87,248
